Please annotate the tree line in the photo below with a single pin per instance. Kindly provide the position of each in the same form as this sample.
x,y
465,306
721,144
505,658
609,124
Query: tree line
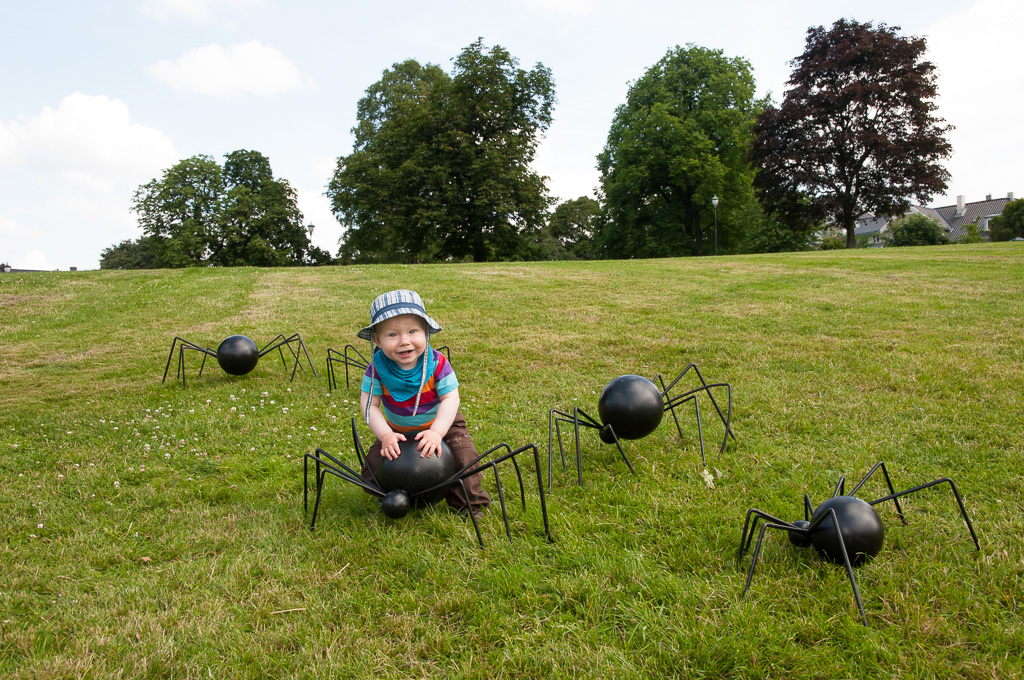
x,y
693,164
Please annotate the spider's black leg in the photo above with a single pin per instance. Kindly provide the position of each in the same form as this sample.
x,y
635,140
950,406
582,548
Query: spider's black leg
x,y
840,487
336,357
305,481
361,455
466,471
323,468
700,431
309,361
846,558
553,429
169,357
747,537
956,494
472,516
184,344
579,457
808,508
588,421
202,365
618,445
540,482
271,346
757,548
708,389
351,361
298,357
888,482
668,405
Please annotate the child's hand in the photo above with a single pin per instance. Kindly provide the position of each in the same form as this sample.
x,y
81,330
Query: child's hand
x,y
389,445
429,443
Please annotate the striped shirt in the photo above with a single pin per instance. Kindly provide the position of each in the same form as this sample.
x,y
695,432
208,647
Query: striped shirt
x,y
399,413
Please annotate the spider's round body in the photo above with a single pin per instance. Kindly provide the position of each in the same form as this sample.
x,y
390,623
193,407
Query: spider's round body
x,y
632,405
413,475
861,527
237,355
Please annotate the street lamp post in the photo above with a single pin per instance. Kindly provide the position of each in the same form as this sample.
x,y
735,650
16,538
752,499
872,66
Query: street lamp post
x,y
714,202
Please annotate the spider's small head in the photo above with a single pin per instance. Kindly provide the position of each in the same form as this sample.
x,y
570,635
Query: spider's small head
x,y
802,537
396,504
606,434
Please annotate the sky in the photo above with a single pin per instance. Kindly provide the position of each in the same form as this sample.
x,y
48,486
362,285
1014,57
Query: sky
x,y
100,97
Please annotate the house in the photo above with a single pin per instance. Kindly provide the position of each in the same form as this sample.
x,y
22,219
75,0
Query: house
x,y
871,228
956,218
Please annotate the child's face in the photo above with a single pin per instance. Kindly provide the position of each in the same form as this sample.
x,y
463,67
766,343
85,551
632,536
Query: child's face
x,y
402,339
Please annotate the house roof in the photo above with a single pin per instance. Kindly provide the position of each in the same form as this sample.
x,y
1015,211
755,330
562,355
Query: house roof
x,y
867,224
979,210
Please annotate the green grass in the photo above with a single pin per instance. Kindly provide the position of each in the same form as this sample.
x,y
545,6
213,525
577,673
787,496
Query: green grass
x,y
152,531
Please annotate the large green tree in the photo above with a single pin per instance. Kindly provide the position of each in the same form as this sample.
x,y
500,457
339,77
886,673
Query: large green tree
x,y
180,212
680,139
1010,223
199,213
440,166
856,131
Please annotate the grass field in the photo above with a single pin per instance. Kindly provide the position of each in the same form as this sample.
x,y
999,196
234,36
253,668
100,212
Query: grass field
x,y
152,531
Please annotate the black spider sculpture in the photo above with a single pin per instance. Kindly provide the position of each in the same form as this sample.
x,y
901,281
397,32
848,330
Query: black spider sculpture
x,y
350,356
410,480
631,407
237,355
844,528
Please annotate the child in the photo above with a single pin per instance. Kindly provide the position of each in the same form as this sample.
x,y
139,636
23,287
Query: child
x,y
411,387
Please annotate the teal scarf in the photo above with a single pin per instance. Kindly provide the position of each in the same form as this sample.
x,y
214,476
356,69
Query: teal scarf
x,y
402,383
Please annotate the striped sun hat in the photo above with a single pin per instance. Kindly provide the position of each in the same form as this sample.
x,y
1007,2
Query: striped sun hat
x,y
396,303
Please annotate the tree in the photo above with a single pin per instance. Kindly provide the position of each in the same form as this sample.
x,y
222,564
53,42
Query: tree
x,y
570,229
915,230
856,131
261,225
440,164
1010,223
972,233
129,254
765,234
680,139
201,214
180,212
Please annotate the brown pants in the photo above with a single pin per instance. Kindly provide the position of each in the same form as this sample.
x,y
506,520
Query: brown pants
x,y
461,444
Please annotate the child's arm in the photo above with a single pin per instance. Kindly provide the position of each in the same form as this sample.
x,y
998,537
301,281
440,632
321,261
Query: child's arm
x,y
430,440
378,423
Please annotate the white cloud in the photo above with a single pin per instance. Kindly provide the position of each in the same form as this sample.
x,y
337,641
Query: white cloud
x,y
90,134
562,6
67,176
203,11
234,71
981,90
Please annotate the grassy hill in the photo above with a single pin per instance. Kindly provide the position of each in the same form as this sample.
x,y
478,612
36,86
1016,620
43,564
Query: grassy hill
x,y
156,531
